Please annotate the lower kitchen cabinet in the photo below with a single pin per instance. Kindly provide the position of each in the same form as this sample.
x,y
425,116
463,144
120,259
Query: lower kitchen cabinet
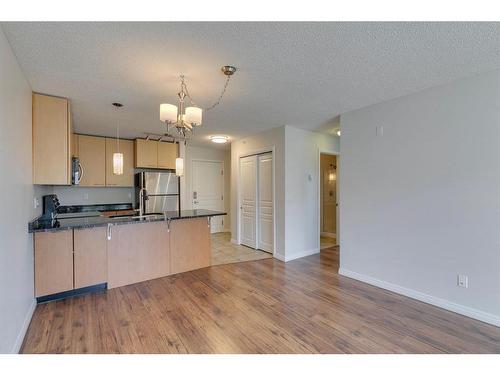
x,y
137,252
189,245
90,257
53,262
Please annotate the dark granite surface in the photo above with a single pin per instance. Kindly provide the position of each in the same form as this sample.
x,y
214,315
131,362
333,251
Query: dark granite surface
x,y
93,208
39,225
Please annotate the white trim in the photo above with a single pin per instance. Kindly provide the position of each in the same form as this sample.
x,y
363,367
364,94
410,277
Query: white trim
x,y
280,257
264,150
326,152
234,241
24,328
436,301
302,254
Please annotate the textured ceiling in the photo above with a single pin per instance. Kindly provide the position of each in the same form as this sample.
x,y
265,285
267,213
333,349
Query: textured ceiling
x,y
299,74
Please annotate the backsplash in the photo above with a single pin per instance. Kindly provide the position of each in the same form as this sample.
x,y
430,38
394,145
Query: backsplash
x,y
75,195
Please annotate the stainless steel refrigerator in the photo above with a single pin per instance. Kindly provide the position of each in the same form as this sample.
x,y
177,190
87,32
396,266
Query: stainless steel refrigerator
x,y
160,191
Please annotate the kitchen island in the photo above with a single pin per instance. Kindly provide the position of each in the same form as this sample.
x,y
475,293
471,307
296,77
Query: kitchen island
x,y
78,255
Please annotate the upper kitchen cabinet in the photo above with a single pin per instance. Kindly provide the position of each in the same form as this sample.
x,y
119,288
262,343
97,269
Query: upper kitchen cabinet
x,y
154,154
92,154
146,153
51,140
167,153
127,149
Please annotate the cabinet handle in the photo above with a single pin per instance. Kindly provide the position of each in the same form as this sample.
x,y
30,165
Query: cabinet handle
x,y
109,232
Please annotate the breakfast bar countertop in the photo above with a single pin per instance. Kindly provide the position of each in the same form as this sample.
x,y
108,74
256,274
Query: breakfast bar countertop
x,y
57,224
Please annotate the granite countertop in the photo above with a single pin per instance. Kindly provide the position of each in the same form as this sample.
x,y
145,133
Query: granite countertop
x,y
39,225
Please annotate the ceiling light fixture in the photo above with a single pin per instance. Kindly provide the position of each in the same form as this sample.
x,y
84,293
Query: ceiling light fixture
x,y
117,156
185,119
219,138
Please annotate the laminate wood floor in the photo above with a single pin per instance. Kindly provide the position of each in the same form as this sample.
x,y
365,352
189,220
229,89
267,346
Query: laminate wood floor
x,y
263,306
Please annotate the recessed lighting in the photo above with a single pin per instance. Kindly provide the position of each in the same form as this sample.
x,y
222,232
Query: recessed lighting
x,y
337,132
219,138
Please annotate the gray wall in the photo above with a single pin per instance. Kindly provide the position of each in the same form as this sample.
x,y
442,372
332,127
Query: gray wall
x,y
421,203
16,200
76,195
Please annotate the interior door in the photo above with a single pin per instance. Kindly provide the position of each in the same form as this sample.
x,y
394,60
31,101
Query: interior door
x,y
265,225
208,189
248,192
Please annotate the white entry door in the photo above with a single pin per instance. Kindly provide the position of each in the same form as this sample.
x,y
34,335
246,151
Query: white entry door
x,y
265,225
248,206
208,189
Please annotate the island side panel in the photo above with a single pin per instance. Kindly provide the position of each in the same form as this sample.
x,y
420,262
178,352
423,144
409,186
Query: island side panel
x,y
189,244
138,252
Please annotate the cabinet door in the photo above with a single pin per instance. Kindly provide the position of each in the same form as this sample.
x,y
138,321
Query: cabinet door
x,y
74,145
92,152
127,149
90,257
189,244
167,153
51,146
137,252
53,262
146,154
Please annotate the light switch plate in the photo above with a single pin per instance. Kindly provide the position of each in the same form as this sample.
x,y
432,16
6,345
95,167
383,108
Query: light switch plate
x,y
463,281
379,131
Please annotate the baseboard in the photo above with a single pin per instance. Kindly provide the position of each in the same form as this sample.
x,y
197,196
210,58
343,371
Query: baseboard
x,y
280,257
328,234
436,301
302,254
24,328
234,241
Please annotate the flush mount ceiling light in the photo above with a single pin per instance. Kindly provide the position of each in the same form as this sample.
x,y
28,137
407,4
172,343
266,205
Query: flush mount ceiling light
x,y
185,119
219,138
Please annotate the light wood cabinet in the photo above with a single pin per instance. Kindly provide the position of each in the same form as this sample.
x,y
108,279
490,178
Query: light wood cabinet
x,y
51,140
92,154
154,154
146,153
127,149
90,257
74,145
189,245
53,262
138,252
167,153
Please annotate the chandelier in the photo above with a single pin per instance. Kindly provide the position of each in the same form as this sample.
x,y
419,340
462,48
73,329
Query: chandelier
x,y
184,119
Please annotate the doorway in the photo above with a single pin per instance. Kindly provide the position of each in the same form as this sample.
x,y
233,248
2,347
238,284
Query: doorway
x,y
257,202
328,200
207,186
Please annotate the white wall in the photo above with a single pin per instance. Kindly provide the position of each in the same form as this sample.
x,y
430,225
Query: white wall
x,y
79,195
16,200
296,154
302,151
206,153
421,204
265,141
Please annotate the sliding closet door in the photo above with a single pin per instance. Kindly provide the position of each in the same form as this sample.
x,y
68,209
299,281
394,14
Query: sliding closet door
x,y
265,225
248,196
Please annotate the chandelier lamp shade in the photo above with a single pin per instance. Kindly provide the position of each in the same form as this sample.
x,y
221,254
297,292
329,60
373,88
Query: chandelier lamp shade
x,y
117,156
186,118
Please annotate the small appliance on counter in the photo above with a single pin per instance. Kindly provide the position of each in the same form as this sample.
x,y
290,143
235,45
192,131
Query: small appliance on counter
x,y
157,192
50,206
76,171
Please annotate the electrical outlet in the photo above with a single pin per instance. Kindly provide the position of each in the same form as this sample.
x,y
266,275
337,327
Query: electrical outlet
x,y
86,196
379,131
36,202
463,281
130,195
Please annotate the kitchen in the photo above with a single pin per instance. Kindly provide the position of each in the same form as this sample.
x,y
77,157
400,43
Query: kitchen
x,y
89,247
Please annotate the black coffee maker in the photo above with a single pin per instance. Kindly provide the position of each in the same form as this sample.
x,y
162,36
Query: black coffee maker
x,y
50,206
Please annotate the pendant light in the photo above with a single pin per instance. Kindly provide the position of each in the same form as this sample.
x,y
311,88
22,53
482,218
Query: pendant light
x,y
118,156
